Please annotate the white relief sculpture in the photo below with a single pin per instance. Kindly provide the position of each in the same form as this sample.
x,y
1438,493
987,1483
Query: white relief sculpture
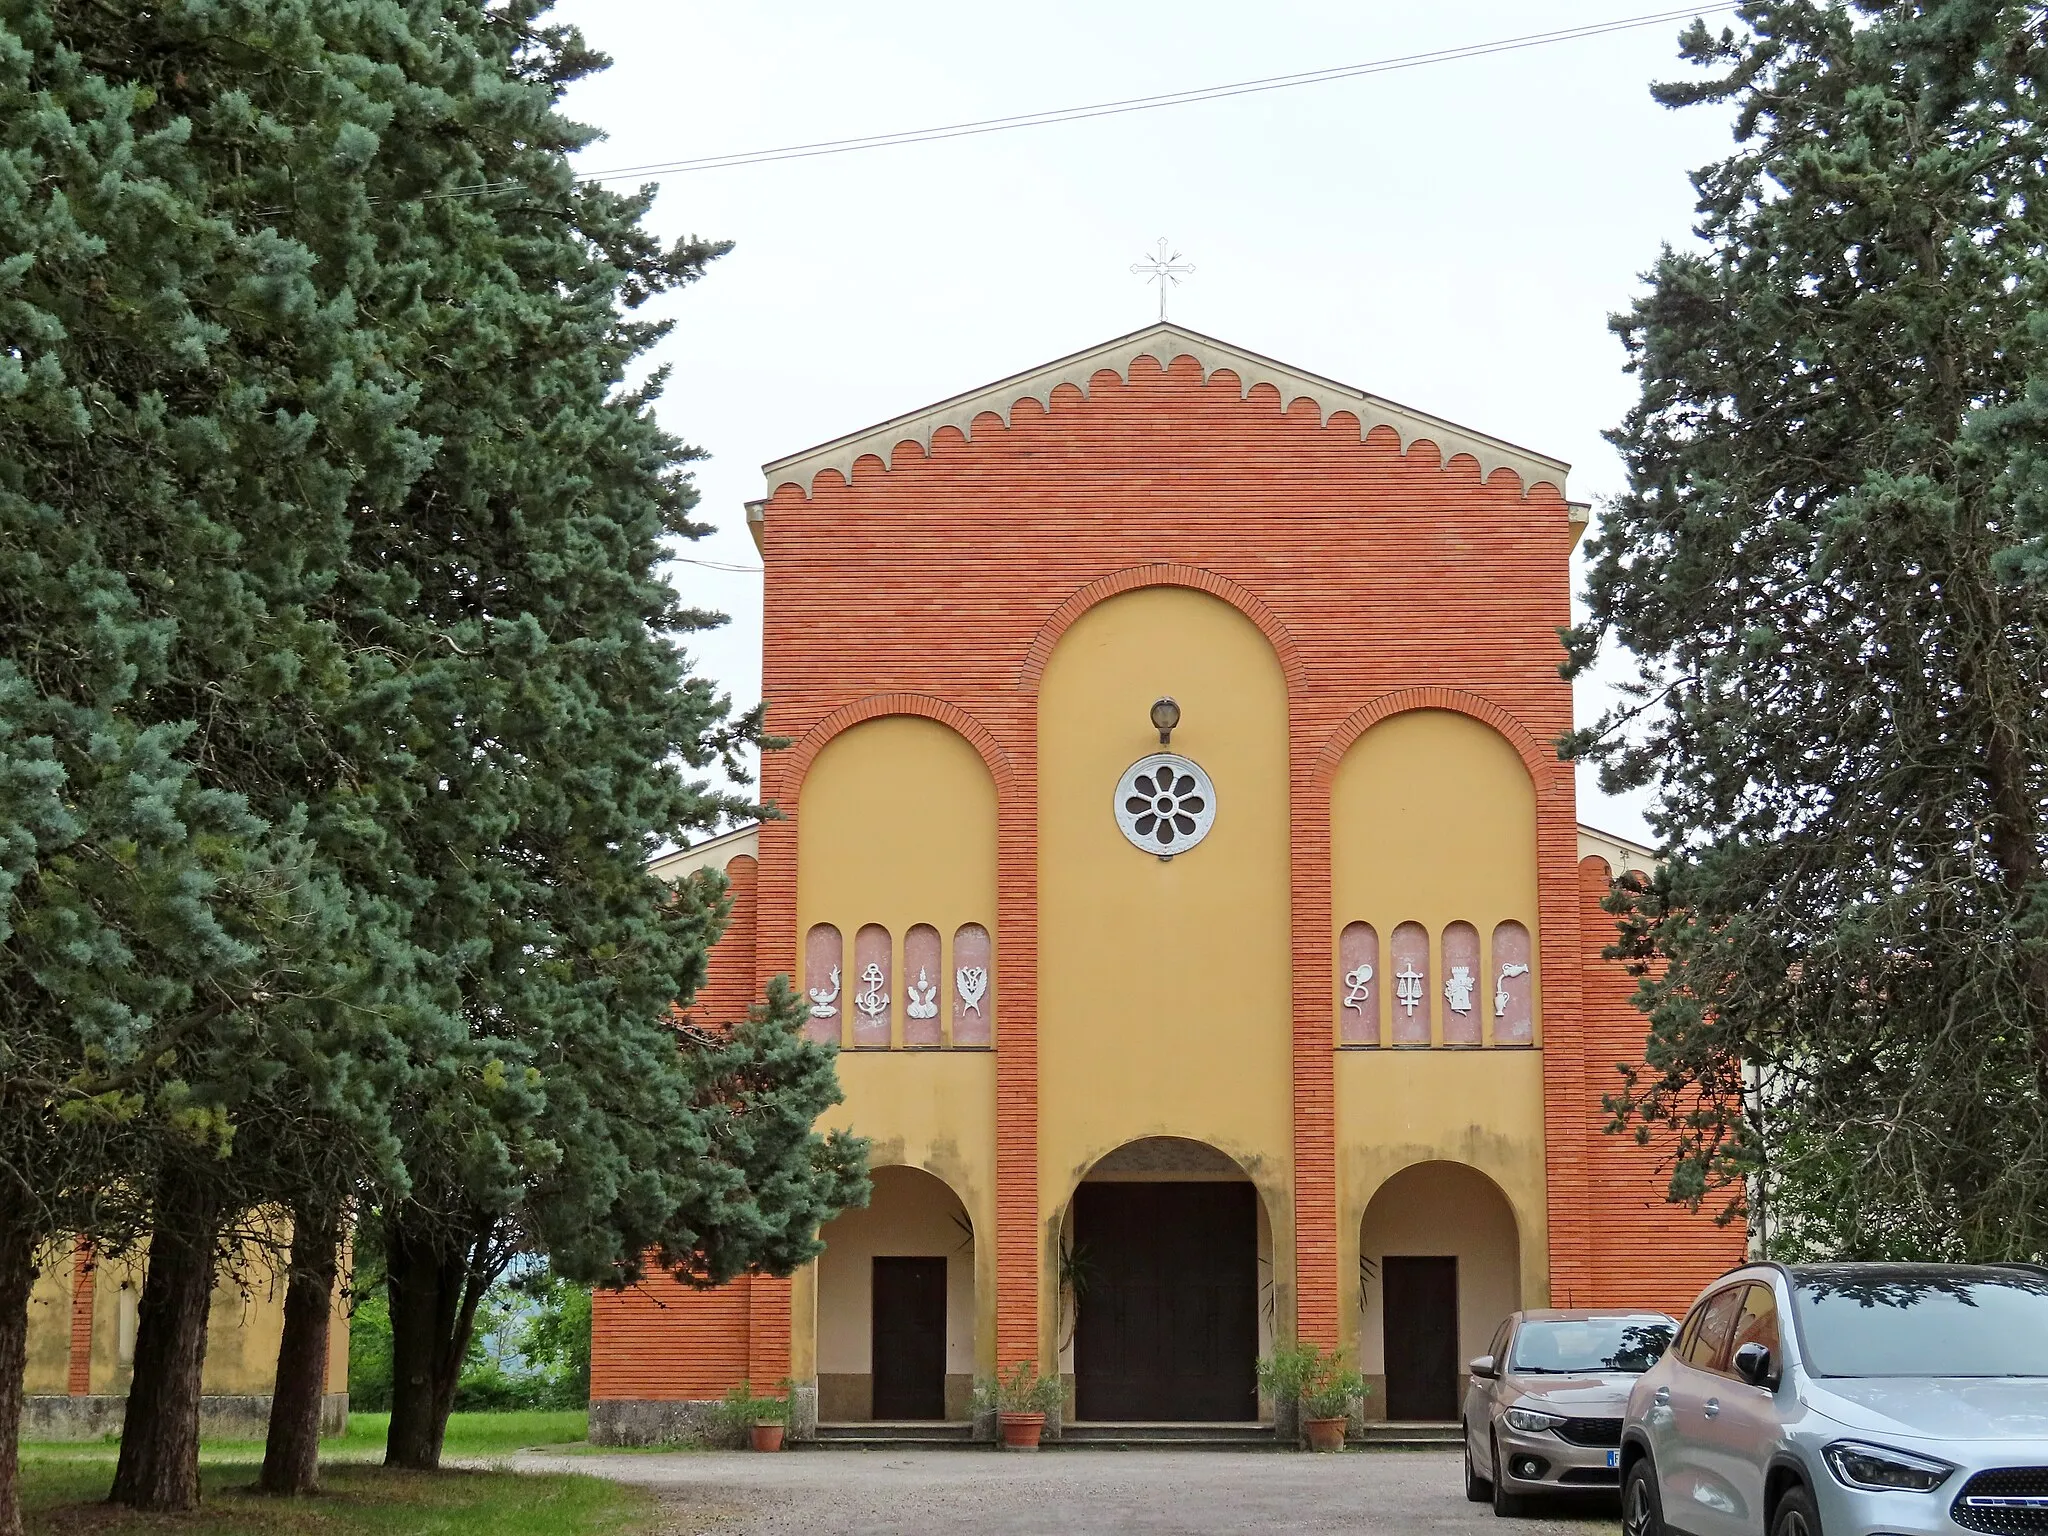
x,y
1408,987
973,980
822,998
1500,988
923,999
873,1002
1458,989
1359,983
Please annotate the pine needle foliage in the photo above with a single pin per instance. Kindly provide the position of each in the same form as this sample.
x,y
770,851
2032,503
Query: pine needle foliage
x,y
1828,568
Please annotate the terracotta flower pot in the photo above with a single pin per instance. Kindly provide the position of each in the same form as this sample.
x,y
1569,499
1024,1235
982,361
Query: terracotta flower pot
x,y
1021,1430
767,1437
1324,1434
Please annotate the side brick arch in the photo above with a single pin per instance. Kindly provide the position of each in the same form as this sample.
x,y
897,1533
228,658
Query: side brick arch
x,y
1542,769
876,706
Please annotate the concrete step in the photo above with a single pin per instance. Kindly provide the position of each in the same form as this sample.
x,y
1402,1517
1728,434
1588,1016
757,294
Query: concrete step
x,y
1389,1435
913,1434
1166,1436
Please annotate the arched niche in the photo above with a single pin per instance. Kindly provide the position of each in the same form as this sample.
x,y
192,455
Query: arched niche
x,y
896,833
1433,823
1164,987
1440,1254
894,1274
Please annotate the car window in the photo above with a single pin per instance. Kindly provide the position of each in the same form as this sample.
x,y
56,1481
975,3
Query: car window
x,y
1709,1350
1757,1323
1591,1345
1690,1332
1884,1320
1499,1347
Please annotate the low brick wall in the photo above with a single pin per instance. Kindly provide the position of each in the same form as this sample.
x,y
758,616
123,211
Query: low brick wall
x,y
239,1416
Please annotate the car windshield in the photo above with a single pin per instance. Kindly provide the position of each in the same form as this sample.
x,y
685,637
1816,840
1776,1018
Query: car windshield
x,y
1923,1322
1591,1346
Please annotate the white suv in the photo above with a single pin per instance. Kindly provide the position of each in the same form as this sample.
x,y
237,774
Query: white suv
x,y
1847,1400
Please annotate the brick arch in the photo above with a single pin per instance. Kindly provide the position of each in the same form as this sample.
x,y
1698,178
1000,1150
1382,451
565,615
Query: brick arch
x,y
1163,574
1456,700
878,705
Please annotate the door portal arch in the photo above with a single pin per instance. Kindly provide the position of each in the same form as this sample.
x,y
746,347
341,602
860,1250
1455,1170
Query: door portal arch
x,y
1166,1291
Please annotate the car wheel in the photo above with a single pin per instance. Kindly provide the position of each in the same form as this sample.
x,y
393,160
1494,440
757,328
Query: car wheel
x,y
1797,1515
1642,1511
1477,1488
1505,1505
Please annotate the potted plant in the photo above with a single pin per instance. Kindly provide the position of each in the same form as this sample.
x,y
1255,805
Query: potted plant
x,y
761,1421
1020,1398
1323,1385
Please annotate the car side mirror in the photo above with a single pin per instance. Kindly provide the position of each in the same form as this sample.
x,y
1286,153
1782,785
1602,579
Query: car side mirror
x,y
1754,1365
1484,1368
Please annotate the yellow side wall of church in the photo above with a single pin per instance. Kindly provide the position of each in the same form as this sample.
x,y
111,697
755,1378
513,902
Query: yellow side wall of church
x,y
1164,987
1433,820
896,825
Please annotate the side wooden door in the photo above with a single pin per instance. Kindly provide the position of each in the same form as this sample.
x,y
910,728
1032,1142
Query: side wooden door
x,y
909,1338
1420,1319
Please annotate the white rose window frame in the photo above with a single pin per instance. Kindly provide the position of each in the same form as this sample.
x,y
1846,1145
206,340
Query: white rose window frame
x,y
1165,804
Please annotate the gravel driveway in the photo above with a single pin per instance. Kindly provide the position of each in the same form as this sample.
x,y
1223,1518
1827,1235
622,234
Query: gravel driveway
x,y
1061,1493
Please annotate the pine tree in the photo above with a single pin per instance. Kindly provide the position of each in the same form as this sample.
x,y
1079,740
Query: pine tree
x,y
1820,565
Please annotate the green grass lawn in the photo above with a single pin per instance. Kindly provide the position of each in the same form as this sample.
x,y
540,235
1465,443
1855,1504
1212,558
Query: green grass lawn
x,y
65,1482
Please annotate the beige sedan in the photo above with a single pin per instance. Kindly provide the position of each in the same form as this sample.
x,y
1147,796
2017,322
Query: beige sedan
x,y
1543,1414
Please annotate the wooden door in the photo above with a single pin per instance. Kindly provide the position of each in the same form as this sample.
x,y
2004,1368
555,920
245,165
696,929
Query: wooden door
x,y
1420,1319
910,1338
1168,1326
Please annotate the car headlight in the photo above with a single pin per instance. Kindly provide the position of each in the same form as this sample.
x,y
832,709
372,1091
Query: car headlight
x,y
1529,1421
1882,1468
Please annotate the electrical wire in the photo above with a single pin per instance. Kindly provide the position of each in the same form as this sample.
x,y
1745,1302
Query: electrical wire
x,y
1148,103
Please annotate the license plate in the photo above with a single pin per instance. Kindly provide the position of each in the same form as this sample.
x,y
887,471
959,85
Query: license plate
x,y
1614,1458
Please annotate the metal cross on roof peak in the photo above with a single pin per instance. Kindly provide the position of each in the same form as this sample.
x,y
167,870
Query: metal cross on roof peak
x,y
1164,270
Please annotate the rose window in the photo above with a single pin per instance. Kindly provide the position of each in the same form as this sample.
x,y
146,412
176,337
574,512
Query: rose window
x,y
1165,804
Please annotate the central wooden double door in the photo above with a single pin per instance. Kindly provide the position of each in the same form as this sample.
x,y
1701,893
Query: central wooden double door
x,y
1168,1316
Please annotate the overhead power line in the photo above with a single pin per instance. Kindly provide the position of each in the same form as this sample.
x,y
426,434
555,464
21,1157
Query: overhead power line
x,y
1151,103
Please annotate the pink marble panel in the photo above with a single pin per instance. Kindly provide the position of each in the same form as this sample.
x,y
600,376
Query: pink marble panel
x,y
870,992
1408,991
1512,1003
1464,986
1359,985
923,982
974,986
825,982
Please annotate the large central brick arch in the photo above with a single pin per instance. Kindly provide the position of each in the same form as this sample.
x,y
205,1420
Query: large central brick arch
x,y
1165,573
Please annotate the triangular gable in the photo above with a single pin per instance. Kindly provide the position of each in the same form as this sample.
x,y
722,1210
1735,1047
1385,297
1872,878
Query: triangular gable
x,y
1163,343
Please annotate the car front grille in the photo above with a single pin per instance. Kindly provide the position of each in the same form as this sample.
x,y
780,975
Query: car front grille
x,y
1590,1431
1591,1477
2007,1501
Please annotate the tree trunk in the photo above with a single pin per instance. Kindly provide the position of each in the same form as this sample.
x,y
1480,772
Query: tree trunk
x,y
291,1453
159,1465
434,1294
17,1278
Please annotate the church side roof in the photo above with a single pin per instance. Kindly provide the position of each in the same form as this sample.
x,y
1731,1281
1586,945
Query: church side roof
x,y
1163,342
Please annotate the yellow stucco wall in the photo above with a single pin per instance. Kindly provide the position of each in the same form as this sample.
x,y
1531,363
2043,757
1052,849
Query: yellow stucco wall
x,y
1164,986
49,1323
896,825
245,1322
1433,820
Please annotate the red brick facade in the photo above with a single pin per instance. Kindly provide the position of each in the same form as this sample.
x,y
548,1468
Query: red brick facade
x,y
1385,580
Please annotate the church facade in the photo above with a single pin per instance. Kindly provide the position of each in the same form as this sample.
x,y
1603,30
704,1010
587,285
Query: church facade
x,y
1173,841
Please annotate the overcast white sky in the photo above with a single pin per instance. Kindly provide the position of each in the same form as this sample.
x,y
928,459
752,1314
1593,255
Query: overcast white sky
x,y
1452,237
